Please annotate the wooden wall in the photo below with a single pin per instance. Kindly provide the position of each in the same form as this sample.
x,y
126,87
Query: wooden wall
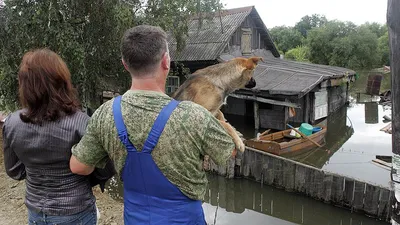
x,y
274,117
337,97
258,41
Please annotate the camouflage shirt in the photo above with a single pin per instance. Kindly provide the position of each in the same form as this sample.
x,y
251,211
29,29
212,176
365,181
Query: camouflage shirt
x,y
190,133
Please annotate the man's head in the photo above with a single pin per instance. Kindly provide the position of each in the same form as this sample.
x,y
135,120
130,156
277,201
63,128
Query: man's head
x,y
144,51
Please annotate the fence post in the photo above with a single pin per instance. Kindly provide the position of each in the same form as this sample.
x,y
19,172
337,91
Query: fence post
x,y
393,22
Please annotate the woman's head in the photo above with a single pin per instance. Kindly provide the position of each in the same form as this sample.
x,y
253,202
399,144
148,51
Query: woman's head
x,y
45,87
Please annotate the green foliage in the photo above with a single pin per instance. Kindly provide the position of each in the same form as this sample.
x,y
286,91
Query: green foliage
x,y
334,42
383,50
307,23
343,44
286,38
300,53
87,35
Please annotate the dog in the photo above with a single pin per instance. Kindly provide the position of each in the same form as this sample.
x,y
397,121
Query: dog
x,y
210,87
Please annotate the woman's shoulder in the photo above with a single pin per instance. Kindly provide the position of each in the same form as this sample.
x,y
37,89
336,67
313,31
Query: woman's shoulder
x,y
13,118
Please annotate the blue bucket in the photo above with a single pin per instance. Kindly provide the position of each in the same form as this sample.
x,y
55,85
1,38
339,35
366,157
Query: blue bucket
x,y
316,129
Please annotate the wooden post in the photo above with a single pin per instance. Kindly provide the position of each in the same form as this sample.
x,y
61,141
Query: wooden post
x,y
256,116
393,22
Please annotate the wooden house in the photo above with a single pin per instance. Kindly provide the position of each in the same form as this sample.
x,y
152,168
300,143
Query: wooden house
x,y
286,91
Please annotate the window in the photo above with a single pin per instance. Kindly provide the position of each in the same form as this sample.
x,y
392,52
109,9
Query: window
x,y
172,84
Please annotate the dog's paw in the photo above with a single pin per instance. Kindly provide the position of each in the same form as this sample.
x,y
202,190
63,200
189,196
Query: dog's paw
x,y
240,146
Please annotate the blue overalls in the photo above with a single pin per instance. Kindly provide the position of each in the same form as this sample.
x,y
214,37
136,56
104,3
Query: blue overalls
x,y
149,197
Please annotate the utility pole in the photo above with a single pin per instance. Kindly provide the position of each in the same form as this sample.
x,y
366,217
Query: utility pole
x,y
393,22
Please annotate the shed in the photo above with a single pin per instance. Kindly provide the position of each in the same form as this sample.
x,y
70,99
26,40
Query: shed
x,y
286,91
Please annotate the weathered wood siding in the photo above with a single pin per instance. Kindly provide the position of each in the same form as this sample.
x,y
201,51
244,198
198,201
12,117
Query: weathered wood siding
x,y
274,117
235,106
337,97
292,176
257,41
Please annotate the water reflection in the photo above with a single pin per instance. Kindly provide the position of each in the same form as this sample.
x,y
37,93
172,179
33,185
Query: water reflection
x,y
241,201
371,112
245,198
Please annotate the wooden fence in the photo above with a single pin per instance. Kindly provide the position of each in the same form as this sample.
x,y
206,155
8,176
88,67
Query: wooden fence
x,y
338,190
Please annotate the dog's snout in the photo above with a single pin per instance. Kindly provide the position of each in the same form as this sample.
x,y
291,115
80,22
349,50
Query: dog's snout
x,y
251,83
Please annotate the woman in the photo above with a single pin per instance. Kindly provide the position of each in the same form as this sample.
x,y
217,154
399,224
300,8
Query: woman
x,y
38,141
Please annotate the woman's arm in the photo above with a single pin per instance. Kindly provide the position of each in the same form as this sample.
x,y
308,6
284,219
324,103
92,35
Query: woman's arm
x,y
14,167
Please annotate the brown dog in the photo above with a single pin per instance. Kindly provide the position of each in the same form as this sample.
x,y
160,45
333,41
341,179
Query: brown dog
x,y
209,87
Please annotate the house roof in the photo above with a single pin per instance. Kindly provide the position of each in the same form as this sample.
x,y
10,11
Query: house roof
x,y
208,42
279,76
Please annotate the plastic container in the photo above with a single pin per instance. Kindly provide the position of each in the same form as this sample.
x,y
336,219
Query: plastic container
x,y
306,129
316,129
294,133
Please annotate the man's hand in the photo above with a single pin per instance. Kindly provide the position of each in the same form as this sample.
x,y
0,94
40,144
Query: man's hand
x,y
79,168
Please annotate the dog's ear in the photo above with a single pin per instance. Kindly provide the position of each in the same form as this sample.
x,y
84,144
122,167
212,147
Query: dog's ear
x,y
252,62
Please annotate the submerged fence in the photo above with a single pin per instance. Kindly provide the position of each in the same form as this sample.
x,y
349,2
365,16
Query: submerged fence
x,y
296,177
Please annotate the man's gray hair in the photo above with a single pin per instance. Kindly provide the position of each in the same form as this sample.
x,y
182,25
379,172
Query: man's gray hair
x,y
143,47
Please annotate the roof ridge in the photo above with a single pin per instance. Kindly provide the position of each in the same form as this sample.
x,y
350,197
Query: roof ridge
x,y
225,12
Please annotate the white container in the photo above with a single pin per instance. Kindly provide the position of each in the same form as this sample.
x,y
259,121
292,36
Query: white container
x,y
294,133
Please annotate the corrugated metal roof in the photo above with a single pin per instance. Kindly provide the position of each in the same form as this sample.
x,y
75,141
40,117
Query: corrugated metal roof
x,y
279,76
208,42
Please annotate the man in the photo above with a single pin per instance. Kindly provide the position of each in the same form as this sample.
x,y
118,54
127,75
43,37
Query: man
x,y
156,143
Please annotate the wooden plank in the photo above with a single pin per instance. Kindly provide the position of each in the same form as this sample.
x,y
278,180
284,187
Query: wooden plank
x,y
256,167
310,185
371,201
256,115
268,170
393,22
278,173
384,204
337,190
264,100
300,179
245,168
348,192
289,171
327,187
319,184
358,199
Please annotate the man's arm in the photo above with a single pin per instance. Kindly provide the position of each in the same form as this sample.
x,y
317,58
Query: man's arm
x,y
79,168
14,167
89,152
217,143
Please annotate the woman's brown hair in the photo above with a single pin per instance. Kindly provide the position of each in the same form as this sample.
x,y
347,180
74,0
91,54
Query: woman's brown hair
x,y
45,88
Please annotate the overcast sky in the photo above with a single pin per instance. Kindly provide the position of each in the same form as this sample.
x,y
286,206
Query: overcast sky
x,y
288,12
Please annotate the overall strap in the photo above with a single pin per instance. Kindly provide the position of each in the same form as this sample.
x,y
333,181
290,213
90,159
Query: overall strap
x,y
159,125
119,123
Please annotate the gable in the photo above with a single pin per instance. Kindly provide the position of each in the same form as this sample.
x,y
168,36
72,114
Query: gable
x,y
208,42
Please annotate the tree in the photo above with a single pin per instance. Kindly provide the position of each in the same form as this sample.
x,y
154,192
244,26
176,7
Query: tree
x,y
286,38
383,50
307,23
376,28
87,35
299,53
322,40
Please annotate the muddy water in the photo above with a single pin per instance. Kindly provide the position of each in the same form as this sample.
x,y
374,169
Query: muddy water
x,y
241,201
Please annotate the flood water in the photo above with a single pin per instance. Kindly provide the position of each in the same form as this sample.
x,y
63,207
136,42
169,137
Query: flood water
x,y
353,138
242,201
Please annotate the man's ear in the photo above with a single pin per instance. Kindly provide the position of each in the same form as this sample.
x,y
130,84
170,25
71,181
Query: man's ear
x,y
166,61
125,66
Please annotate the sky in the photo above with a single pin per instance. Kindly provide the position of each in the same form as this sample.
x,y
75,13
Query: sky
x,y
288,12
